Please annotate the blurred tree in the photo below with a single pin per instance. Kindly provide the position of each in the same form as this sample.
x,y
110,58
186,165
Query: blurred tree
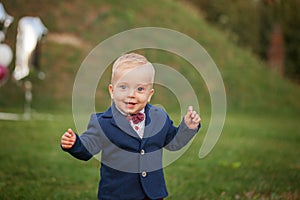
x,y
248,23
252,23
276,50
289,11
265,22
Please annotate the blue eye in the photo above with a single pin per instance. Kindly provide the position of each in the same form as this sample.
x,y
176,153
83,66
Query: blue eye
x,y
140,89
123,87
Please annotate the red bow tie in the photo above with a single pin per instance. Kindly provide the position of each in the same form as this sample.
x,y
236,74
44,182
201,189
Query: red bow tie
x,y
137,118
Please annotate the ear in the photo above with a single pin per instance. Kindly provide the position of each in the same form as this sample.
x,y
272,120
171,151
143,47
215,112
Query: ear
x,y
111,91
150,94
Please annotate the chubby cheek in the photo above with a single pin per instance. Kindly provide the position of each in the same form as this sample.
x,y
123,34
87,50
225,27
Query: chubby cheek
x,y
119,97
143,99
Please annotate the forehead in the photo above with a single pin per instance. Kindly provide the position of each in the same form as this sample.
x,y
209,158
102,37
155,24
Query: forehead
x,y
142,74
131,59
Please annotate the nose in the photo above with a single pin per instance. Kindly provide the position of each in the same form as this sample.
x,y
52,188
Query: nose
x,y
131,93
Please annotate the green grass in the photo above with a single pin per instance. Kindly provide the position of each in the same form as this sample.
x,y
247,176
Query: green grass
x,y
255,155
256,158
34,167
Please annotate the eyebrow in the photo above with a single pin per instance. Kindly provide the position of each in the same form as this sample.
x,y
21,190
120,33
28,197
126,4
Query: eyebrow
x,y
123,82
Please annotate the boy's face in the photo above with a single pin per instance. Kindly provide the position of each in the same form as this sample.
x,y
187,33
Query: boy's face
x,y
131,89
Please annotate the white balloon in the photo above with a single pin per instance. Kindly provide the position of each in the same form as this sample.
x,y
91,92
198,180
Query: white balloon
x,y
30,32
6,55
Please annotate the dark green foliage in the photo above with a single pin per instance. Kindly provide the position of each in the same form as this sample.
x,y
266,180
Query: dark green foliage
x,y
290,18
250,23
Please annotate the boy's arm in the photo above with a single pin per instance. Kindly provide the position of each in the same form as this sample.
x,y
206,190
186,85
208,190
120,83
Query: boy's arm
x,y
88,144
187,129
77,149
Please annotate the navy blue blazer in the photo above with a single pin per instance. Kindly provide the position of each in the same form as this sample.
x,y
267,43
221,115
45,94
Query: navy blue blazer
x,y
131,167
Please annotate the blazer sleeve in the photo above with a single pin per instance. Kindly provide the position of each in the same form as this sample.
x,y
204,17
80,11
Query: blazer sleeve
x,y
177,138
89,142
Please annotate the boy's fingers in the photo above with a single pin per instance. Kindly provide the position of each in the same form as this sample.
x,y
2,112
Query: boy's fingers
x,y
190,108
197,119
67,142
70,131
189,112
193,114
192,118
67,137
66,146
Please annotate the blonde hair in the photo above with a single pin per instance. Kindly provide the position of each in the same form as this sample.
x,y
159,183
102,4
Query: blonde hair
x,y
130,61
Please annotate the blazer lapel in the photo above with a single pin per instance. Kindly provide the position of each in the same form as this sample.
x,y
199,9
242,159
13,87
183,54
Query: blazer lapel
x,y
155,121
120,121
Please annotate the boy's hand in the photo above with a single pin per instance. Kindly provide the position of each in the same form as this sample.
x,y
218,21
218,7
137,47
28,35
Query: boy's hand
x,y
192,119
68,139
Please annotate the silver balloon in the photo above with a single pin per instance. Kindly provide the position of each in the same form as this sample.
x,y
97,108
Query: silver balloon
x,y
30,32
6,55
6,20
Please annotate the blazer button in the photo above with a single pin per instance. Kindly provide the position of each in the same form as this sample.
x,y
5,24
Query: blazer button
x,y
142,152
144,174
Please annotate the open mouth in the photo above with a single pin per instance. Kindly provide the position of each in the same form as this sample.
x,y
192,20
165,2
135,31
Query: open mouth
x,y
131,103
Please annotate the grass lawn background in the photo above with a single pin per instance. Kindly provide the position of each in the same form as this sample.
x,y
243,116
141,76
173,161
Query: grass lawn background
x,y
256,157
